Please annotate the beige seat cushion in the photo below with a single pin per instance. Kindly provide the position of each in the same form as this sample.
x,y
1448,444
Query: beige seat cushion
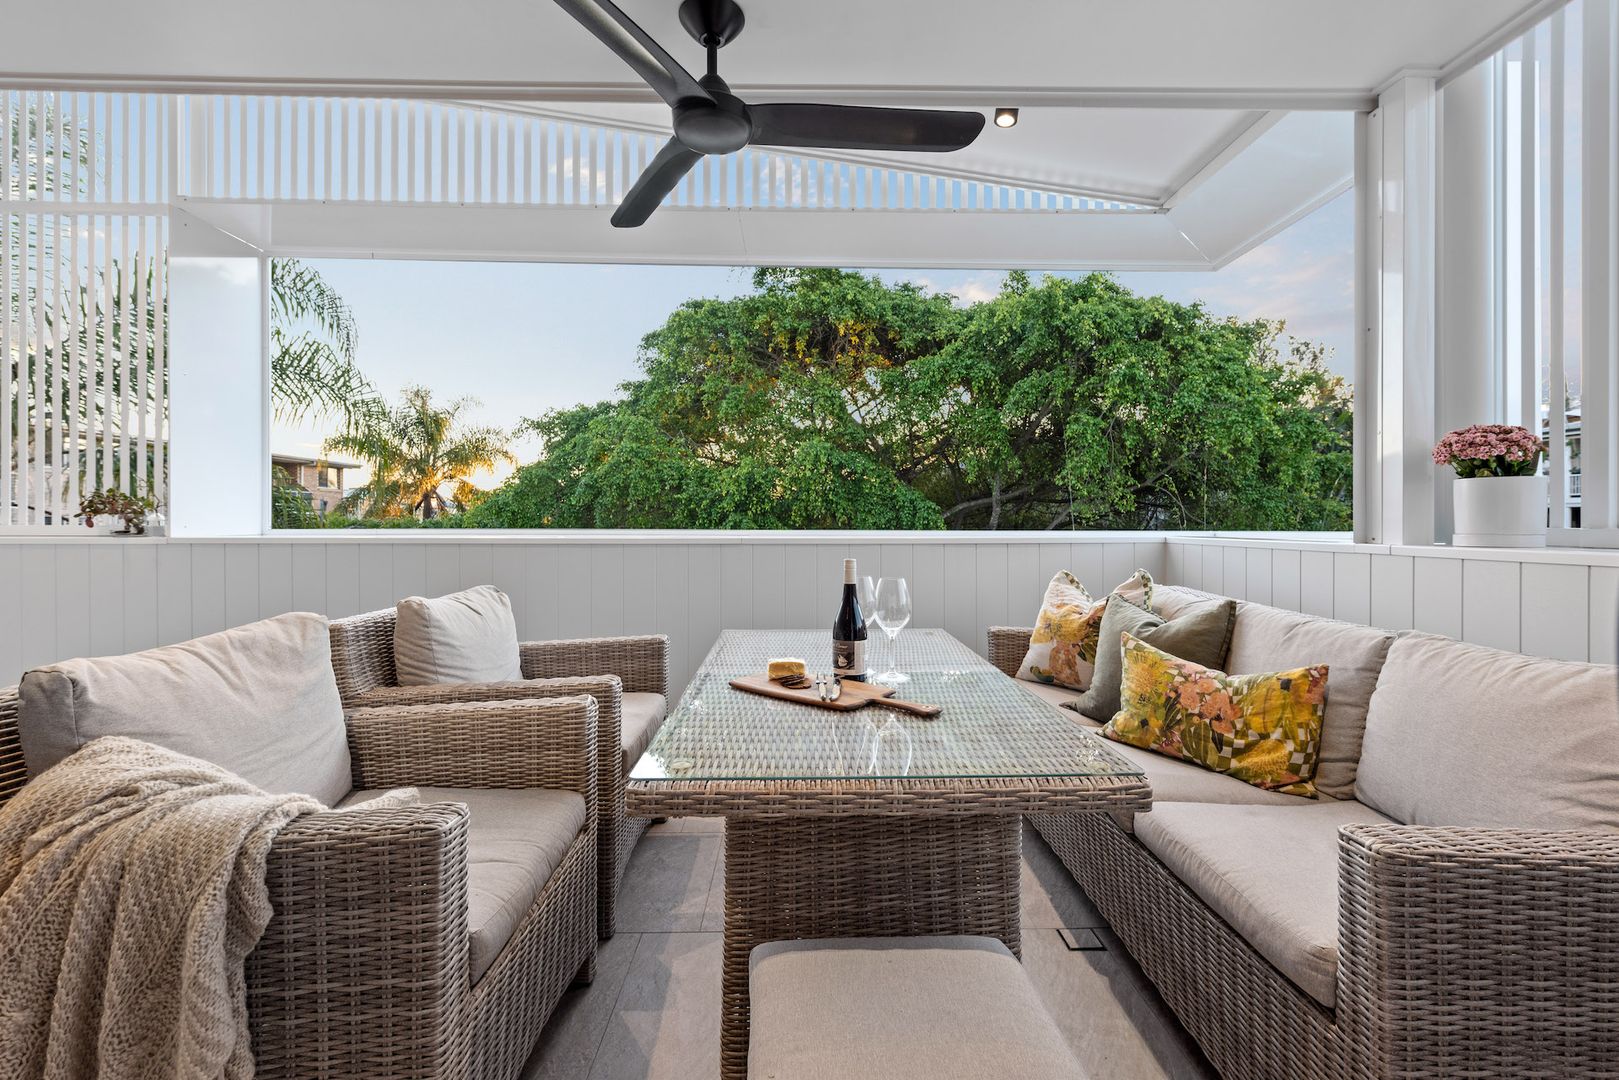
x,y
465,637
928,1008
1269,871
515,841
1270,639
643,715
1464,735
1056,695
259,700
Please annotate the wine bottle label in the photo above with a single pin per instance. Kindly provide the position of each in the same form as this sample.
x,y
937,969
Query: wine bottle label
x,y
849,657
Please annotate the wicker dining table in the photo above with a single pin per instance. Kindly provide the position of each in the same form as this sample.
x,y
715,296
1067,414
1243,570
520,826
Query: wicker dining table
x,y
873,822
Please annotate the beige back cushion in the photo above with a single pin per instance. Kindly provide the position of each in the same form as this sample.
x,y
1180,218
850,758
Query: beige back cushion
x,y
1270,639
259,700
465,637
1464,735
1168,601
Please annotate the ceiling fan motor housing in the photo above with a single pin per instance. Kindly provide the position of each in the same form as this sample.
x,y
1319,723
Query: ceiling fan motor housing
x,y
718,127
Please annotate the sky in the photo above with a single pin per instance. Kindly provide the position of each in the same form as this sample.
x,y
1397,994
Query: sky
x,y
523,338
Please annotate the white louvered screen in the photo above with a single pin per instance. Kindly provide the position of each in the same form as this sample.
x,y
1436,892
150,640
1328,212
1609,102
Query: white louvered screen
x,y
368,150
1555,266
83,332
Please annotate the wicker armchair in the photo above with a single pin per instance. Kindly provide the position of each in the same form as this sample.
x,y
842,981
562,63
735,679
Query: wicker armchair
x,y
1461,951
604,668
363,970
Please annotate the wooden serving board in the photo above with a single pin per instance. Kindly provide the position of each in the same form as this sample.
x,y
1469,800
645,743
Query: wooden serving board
x,y
856,695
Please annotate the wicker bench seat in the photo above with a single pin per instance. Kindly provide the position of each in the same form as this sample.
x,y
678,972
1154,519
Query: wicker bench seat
x,y
924,1008
1447,906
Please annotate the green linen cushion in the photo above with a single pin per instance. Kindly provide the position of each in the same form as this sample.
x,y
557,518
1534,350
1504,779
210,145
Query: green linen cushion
x,y
1201,633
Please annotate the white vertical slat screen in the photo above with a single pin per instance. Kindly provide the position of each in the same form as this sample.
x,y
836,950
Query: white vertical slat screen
x,y
421,151
85,181
1555,266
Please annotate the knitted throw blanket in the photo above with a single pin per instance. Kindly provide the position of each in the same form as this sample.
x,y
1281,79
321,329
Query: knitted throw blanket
x,y
131,892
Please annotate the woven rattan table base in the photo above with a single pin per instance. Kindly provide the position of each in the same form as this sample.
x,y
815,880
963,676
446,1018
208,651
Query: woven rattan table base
x,y
859,876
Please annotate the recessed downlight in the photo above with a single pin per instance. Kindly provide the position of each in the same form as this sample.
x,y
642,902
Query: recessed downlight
x,y
1005,118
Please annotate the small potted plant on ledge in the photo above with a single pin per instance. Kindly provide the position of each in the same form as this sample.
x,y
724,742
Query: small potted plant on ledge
x,y
112,503
1500,494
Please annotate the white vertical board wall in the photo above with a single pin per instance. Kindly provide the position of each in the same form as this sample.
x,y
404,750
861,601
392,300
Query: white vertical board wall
x,y
84,597
1563,609
79,597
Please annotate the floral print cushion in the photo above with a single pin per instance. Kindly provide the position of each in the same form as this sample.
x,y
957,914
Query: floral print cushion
x,y
1262,729
1062,650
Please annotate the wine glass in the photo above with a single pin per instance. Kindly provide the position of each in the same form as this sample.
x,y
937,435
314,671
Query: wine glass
x,y
893,612
888,746
868,608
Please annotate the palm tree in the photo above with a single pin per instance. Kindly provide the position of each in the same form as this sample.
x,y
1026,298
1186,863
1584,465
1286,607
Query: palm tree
x,y
312,341
414,451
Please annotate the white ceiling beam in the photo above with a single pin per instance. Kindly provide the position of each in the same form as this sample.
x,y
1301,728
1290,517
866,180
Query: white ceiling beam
x,y
1295,165
1218,160
905,239
1352,99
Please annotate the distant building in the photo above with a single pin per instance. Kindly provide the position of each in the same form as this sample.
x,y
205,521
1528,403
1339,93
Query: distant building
x,y
321,478
1571,435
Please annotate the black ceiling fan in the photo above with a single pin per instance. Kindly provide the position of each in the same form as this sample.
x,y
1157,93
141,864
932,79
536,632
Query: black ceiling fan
x,y
709,119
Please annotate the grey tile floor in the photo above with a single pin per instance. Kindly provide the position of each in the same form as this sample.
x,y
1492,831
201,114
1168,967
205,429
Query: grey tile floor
x,y
654,1009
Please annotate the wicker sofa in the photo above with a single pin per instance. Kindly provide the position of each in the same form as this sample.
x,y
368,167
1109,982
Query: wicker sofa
x,y
1448,907
426,941
628,677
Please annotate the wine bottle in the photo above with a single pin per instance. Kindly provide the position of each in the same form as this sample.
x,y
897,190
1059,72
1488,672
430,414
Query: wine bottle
x,y
849,630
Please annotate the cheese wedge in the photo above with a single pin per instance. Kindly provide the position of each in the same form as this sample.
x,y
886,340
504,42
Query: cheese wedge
x,y
784,668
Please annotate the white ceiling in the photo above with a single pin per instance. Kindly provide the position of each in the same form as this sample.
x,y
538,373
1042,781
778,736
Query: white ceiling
x,y
1005,52
1231,116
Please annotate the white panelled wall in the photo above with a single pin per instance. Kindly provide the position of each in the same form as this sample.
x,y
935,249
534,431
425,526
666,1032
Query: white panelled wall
x,y
77,598
86,597
1560,604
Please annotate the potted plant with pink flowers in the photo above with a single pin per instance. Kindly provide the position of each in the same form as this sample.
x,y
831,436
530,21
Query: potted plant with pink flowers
x,y
1500,492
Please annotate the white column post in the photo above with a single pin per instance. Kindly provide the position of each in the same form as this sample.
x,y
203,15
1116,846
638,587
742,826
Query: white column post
x,y
1464,378
1399,234
219,468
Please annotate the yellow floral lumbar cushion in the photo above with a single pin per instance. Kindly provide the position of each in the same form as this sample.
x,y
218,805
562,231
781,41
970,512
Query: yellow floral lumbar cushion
x,y
1062,649
1262,729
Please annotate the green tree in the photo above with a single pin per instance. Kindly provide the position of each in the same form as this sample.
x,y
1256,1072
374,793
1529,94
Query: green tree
x,y
825,399
413,451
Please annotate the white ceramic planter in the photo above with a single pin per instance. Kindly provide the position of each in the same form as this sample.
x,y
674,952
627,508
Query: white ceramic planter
x,y
1500,511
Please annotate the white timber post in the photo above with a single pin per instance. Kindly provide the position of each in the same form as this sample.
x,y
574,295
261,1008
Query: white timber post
x,y
1465,379
1399,230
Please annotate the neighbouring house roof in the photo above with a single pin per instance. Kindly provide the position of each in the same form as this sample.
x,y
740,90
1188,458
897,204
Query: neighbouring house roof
x,y
293,459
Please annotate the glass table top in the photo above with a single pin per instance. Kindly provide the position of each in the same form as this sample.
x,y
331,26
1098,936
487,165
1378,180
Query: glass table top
x,y
991,726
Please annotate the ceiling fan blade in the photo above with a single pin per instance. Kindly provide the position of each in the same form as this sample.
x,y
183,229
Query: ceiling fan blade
x,y
857,127
673,161
636,48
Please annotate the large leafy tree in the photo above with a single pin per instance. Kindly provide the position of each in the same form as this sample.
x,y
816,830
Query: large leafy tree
x,y
415,450
825,399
